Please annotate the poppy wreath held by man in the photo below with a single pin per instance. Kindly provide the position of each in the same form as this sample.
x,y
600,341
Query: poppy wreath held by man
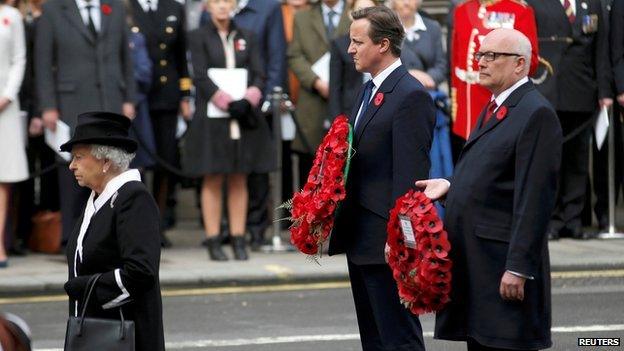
x,y
313,207
417,252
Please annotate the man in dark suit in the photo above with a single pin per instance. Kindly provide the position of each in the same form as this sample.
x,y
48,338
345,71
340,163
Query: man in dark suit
x,y
162,23
573,40
498,207
82,63
393,124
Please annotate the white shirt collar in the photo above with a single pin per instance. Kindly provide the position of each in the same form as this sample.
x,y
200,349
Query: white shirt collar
x,y
83,3
241,4
337,8
505,94
114,184
418,26
379,78
153,3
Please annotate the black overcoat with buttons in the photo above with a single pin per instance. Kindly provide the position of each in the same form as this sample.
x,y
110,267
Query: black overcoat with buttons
x,y
497,211
166,43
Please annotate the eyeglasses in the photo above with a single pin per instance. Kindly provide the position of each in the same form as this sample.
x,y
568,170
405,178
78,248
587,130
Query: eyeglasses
x,y
490,56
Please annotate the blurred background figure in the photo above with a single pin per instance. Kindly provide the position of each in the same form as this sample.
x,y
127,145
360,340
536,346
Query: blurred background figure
x,y
574,42
226,149
12,134
314,29
73,75
422,53
344,80
162,23
142,128
15,334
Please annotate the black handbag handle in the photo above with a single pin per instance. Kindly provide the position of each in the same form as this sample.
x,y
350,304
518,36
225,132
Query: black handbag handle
x,y
87,296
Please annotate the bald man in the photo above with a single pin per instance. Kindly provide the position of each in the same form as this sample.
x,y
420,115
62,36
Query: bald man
x,y
498,203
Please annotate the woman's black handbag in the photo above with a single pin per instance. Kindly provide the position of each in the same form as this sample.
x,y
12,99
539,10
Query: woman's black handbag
x,y
242,111
97,333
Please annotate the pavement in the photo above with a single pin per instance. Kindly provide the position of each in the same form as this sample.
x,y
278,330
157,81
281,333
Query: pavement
x,y
186,264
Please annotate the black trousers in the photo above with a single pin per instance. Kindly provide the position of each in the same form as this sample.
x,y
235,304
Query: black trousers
x,y
601,167
473,345
384,323
73,199
573,174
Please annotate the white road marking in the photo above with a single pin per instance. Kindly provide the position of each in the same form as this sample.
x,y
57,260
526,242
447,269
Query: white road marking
x,y
339,337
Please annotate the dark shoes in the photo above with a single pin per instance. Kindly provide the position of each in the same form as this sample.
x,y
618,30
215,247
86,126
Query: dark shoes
x,y
215,252
256,240
577,234
239,248
553,235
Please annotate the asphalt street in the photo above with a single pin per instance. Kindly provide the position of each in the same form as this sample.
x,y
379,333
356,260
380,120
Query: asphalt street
x,y
321,316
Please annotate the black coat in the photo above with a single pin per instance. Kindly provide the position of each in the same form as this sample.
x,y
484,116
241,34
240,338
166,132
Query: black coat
x,y
497,211
617,44
166,43
392,144
123,235
579,58
344,80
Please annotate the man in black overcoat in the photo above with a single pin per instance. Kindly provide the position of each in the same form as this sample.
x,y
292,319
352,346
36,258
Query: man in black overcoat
x,y
498,206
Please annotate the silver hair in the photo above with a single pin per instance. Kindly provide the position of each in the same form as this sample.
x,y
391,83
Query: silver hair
x,y
119,157
525,49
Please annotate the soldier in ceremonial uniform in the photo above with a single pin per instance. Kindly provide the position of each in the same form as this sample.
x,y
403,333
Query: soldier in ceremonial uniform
x,y
162,23
472,20
573,38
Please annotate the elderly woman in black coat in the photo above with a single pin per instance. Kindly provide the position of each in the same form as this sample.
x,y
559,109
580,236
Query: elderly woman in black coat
x,y
227,149
118,233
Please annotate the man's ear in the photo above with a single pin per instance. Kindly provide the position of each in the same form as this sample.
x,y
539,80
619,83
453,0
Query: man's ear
x,y
384,45
520,64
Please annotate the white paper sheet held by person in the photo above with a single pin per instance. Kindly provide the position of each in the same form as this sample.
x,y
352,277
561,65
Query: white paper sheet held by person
x,y
230,80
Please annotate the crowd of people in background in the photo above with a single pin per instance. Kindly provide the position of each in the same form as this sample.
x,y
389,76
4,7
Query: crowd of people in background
x,y
149,60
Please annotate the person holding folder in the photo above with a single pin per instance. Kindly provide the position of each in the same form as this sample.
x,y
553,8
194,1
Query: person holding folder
x,y
226,139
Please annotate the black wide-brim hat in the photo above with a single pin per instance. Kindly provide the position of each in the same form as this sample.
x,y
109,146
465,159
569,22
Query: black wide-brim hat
x,y
102,128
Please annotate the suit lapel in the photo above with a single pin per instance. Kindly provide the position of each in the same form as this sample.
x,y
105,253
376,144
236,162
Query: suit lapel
x,y
70,10
386,87
509,103
105,17
344,24
316,16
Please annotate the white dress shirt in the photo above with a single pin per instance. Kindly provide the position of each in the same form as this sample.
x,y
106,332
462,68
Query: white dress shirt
x,y
153,4
411,33
377,81
500,99
95,12
338,8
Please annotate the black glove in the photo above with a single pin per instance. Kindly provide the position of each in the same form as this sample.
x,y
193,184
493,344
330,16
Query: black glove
x,y
76,287
241,111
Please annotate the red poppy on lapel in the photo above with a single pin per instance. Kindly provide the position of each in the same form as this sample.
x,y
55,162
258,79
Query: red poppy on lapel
x,y
501,113
379,97
240,45
106,9
6,21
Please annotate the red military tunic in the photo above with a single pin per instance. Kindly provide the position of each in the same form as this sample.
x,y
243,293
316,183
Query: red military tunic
x,y
472,20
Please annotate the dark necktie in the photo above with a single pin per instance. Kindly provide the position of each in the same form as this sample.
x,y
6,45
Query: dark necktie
x,y
567,6
90,23
368,91
330,24
491,107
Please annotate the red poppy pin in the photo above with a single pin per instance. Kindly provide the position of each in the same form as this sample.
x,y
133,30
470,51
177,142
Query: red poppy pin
x,y
106,9
379,98
6,21
501,113
240,45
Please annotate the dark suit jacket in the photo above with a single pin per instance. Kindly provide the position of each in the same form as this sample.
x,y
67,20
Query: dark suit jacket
x,y
578,57
206,51
166,44
77,72
391,145
426,53
616,40
344,80
497,211
123,235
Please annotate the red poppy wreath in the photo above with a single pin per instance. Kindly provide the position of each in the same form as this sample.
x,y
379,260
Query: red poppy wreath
x,y
417,253
313,207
